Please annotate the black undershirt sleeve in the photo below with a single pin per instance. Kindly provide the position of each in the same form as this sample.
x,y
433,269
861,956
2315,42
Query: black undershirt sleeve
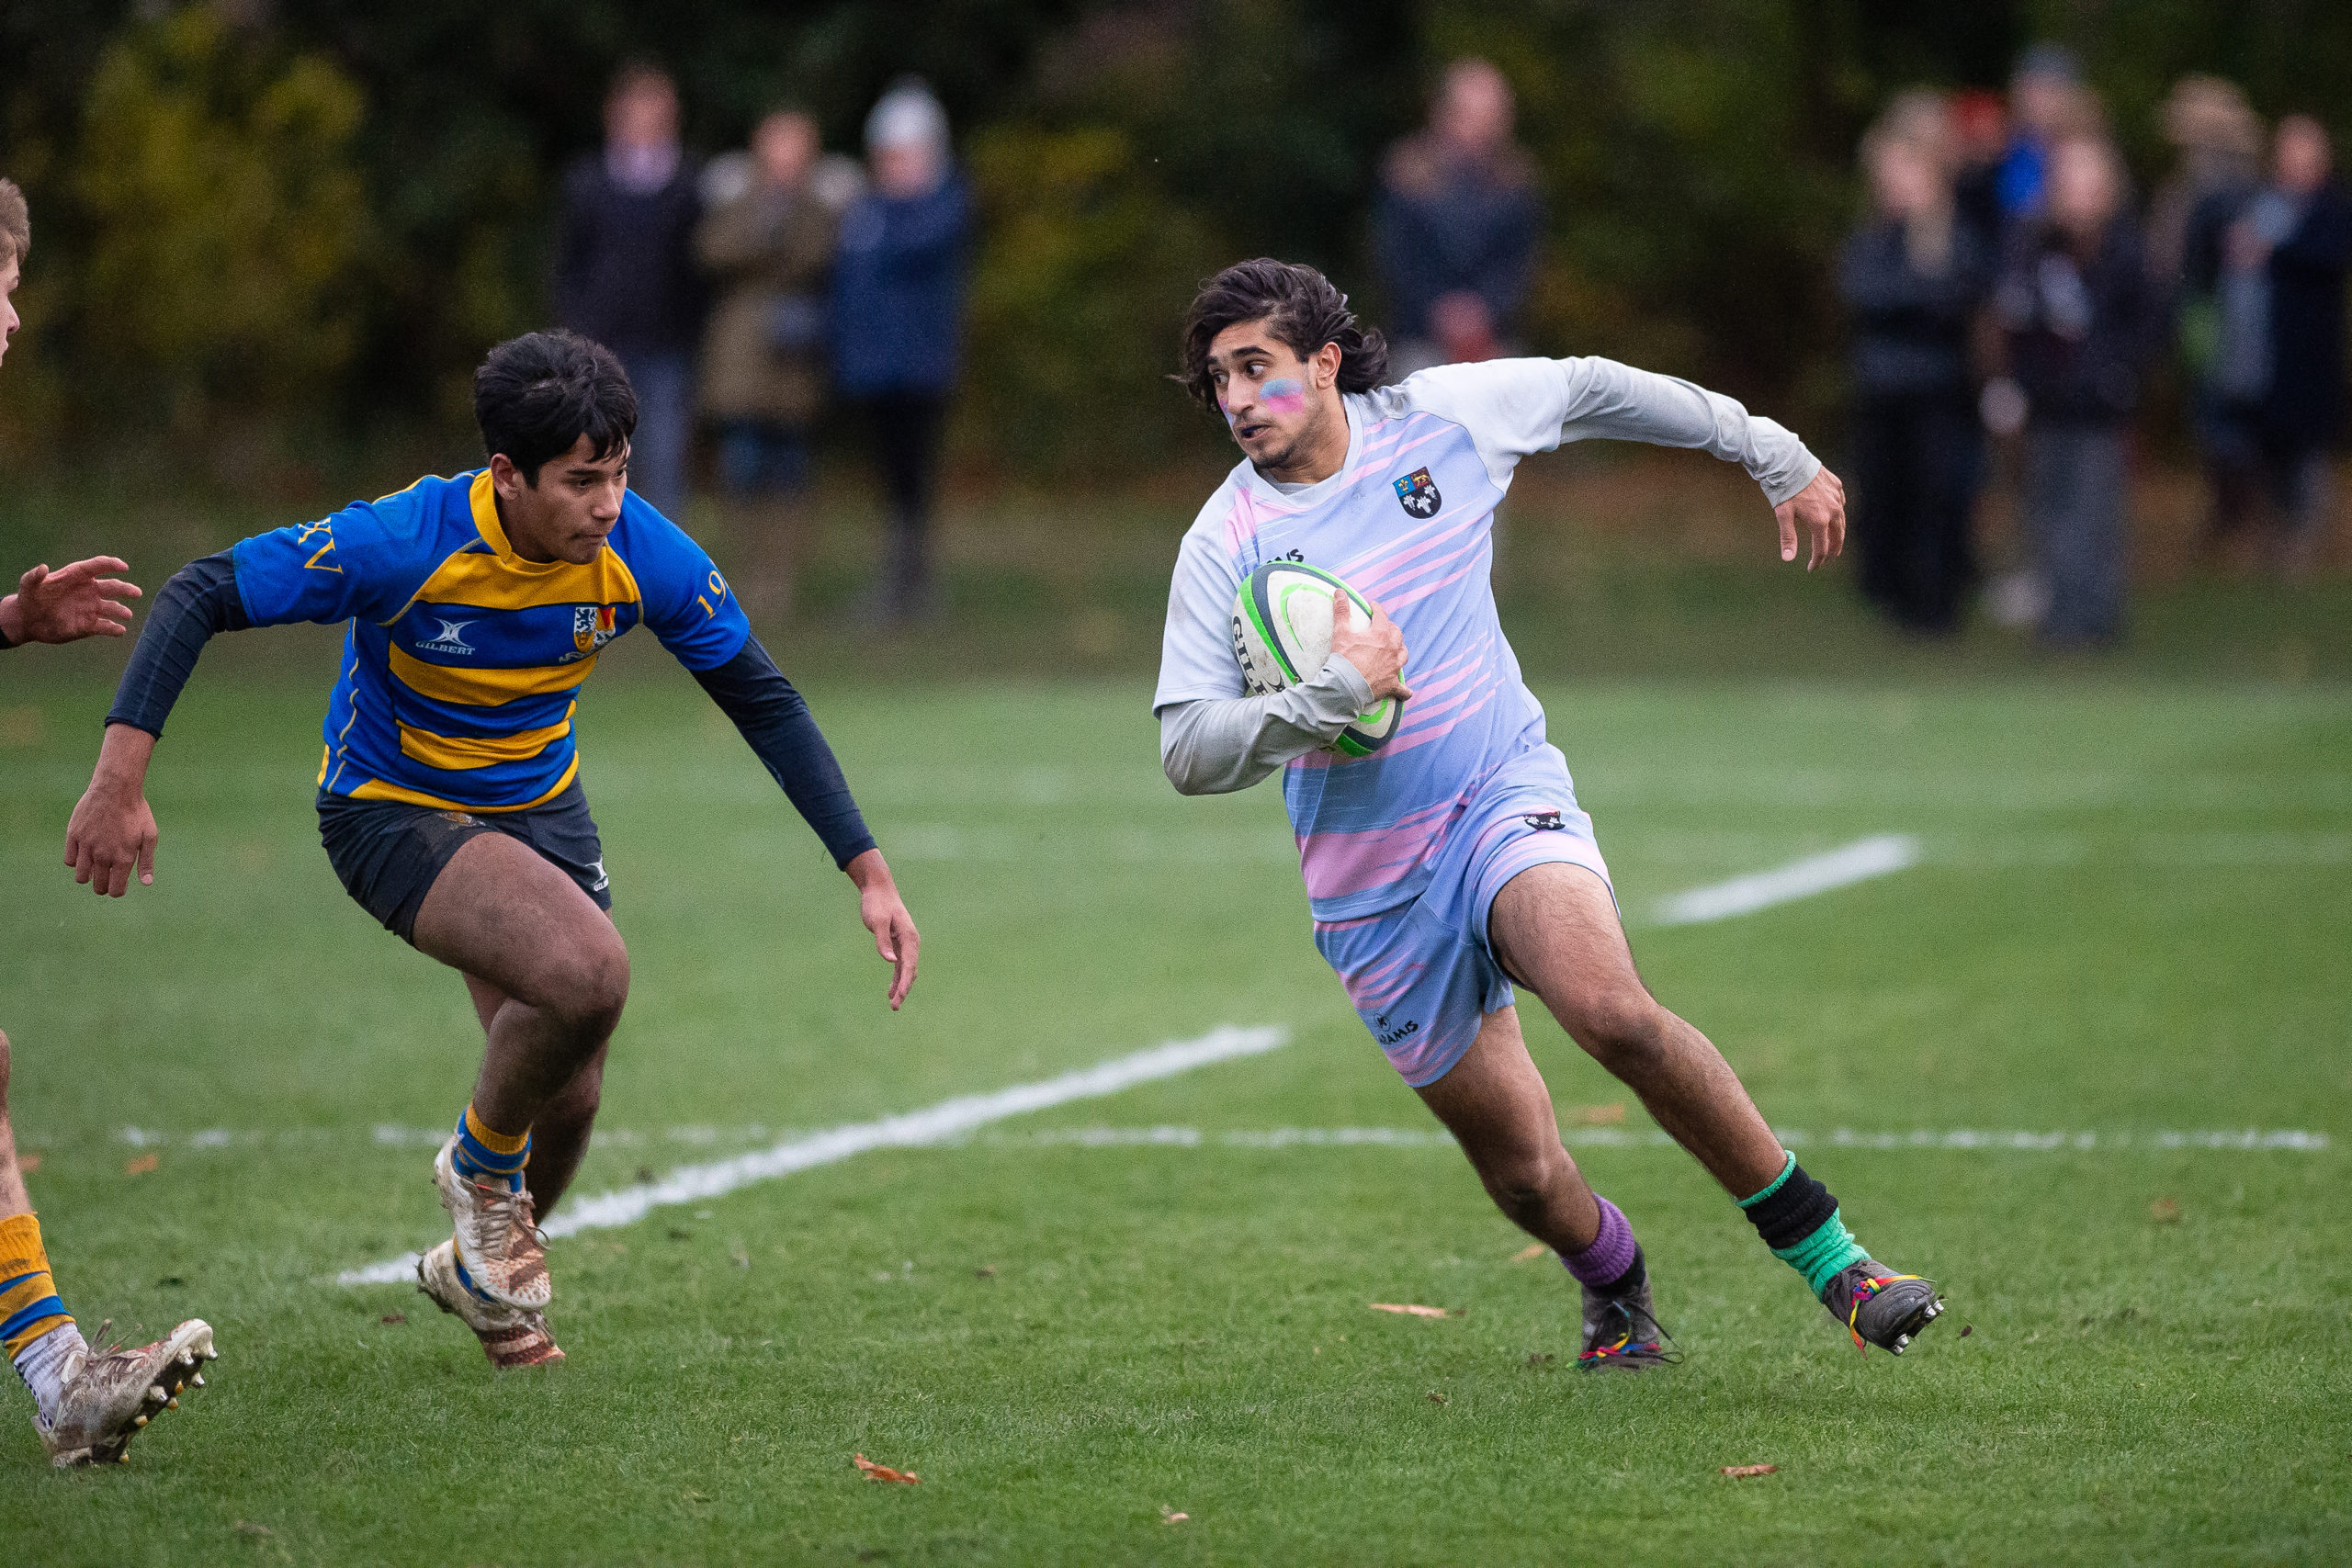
x,y
199,600
753,691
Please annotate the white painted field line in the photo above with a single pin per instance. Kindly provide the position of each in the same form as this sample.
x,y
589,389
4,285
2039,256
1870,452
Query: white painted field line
x,y
700,1183
1985,1140
1857,861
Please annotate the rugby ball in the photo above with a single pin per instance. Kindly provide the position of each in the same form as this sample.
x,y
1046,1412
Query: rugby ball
x,y
1282,634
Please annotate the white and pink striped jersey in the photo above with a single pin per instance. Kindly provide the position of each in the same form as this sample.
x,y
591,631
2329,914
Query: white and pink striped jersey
x,y
1408,521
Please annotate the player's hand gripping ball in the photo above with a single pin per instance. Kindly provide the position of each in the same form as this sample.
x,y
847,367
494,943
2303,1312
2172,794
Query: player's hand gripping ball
x,y
1282,634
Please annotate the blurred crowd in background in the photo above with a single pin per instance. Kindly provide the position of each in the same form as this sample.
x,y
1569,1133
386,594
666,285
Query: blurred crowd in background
x,y
741,294
2009,282
276,236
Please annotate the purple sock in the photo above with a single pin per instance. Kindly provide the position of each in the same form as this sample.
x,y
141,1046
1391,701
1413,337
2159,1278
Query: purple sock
x,y
1611,1253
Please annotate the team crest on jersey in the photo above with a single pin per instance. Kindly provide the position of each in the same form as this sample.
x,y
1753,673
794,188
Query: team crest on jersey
x,y
1417,493
592,627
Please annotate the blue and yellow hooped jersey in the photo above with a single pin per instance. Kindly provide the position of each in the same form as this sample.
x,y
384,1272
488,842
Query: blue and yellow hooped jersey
x,y
462,667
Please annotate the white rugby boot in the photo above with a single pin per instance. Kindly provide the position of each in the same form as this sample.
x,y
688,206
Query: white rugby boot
x,y
498,1240
510,1337
109,1396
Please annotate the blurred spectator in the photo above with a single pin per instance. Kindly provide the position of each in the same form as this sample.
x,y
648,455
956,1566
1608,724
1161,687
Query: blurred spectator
x,y
769,251
1457,224
625,270
2075,307
1980,136
2047,102
2271,264
2218,138
1913,277
898,309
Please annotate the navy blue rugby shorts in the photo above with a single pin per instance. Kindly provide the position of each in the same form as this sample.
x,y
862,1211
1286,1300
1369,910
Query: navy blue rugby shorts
x,y
387,853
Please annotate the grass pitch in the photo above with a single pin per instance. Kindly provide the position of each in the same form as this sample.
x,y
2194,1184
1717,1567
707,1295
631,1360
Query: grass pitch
x,y
2130,922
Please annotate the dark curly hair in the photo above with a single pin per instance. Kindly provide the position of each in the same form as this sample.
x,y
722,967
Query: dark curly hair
x,y
537,395
1300,307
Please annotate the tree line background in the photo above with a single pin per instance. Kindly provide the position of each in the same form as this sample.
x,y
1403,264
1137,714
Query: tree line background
x,y
269,233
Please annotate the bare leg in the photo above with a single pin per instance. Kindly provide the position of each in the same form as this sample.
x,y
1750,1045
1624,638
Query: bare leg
x,y
1556,930
1495,1105
560,1137
524,931
13,1198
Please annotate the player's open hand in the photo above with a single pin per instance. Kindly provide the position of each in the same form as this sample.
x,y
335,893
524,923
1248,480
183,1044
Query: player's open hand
x,y
885,914
72,603
1819,510
1377,649
111,836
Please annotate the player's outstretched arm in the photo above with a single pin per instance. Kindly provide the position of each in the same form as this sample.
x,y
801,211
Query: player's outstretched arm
x,y
111,836
69,604
775,723
1818,512
1516,407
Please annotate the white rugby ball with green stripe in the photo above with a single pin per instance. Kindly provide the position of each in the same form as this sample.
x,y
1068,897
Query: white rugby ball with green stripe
x,y
1282,634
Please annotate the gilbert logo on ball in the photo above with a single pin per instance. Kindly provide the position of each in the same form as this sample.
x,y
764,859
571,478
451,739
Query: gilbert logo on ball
x,y
1282,634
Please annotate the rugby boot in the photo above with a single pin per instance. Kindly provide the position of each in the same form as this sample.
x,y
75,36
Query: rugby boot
x,y
109,1396
1623,1332
1880,1307
498,1239
510,1337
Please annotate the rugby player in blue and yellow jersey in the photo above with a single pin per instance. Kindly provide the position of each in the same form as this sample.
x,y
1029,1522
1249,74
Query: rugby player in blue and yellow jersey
x,y
449,797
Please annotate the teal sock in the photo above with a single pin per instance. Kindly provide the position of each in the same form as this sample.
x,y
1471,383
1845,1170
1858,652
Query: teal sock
x,y
1800,1222
1820,1256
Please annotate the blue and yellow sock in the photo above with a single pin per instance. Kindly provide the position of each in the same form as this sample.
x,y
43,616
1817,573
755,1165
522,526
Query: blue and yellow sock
x,y
1799,1221
35,1328
491,1158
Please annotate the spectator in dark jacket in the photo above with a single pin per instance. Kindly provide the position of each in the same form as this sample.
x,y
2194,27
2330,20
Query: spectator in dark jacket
x,y
898,323
626,276
2269,265
1913,277
2078,318
1457,224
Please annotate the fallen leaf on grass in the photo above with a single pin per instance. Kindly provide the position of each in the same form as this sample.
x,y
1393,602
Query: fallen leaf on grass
x,y
1598,1115
396,1317
28,1162
985,1272
1411,1311
1741,1471
1966,1329
1437,1398
873,1472
246,1527
2164,1211
140,1164
1532,1249
1168,1515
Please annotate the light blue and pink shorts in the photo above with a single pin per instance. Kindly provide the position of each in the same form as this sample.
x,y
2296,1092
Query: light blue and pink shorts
x,y
1423,975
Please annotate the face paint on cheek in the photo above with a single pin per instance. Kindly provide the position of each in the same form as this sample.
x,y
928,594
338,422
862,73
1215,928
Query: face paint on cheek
x,y
1282,395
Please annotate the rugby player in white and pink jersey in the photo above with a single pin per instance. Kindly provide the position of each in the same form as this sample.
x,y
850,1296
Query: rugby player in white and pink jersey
x,y
1455,860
